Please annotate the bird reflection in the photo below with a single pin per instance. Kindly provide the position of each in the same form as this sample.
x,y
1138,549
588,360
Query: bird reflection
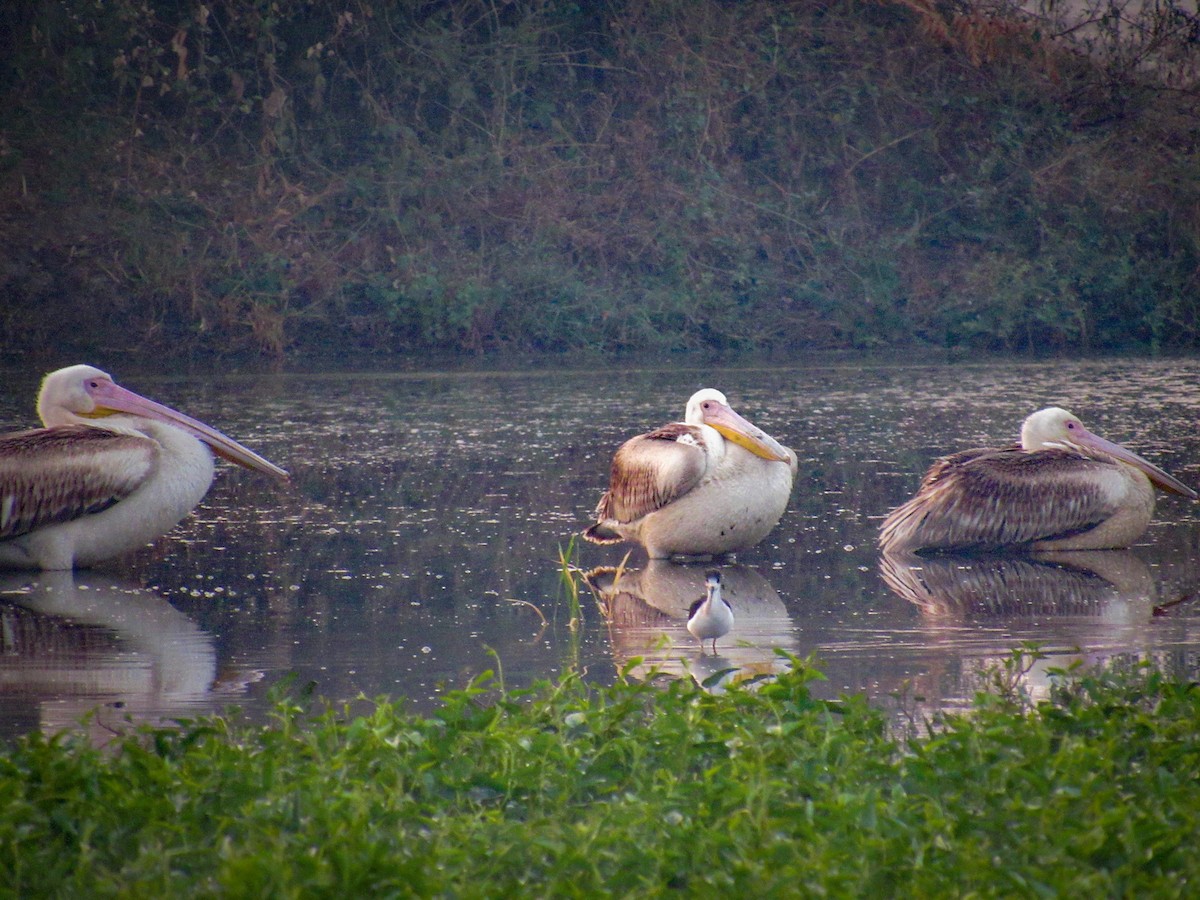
x,y
1111,586
647,611
74,642
1080,608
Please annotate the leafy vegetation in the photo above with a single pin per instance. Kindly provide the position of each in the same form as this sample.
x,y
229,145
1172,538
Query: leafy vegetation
x,y
535,176
571,789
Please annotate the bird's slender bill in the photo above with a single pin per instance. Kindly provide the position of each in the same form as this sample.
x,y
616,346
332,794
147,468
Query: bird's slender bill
x,y
735,428
112,399
1153,472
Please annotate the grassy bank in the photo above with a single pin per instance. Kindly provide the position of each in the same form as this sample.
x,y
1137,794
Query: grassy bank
x,y
476,178
576,790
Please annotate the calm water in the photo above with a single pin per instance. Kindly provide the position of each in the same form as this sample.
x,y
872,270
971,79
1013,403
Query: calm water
x,y
419,543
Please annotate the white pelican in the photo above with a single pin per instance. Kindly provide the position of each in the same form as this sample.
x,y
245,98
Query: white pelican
x,y
109,472
711,616
1063,488
710,484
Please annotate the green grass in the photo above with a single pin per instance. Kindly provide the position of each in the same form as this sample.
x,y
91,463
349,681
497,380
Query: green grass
x,y
570,789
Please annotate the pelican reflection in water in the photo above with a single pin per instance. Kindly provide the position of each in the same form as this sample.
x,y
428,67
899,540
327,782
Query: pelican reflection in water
x,y
1082,608
709,485
110,472
73,641
1112,587
1062,488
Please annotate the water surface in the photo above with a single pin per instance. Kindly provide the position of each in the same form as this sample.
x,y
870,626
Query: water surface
x,y
419,543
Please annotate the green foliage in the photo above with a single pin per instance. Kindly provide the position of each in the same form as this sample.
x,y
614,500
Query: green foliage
x,y
613,177
573,789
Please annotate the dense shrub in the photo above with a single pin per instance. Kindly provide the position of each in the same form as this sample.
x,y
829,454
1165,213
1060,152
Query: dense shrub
x,y
571,789
617,177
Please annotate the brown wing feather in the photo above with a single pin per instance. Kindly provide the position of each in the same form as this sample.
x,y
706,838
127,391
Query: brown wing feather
x,y
978,500
651,470
948,465
52,475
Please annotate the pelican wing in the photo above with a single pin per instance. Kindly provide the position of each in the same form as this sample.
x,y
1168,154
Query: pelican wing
x,y
948,466
53,475
987,499
651,470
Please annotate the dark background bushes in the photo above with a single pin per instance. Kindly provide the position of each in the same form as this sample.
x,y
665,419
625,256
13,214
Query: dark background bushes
x,y
337,180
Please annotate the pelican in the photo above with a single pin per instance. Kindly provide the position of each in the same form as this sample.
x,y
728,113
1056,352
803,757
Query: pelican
x,y
708,485
109,472
711,616
1062,488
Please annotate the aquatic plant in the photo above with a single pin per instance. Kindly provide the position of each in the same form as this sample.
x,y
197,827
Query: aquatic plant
x,y
575,789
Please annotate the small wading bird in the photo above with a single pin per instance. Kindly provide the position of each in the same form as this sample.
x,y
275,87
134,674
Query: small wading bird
x,y
711,484
711,616
109,472
1063,488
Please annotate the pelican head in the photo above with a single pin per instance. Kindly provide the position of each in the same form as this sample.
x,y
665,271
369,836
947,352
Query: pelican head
x,y
709,407
1055,428
81,395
